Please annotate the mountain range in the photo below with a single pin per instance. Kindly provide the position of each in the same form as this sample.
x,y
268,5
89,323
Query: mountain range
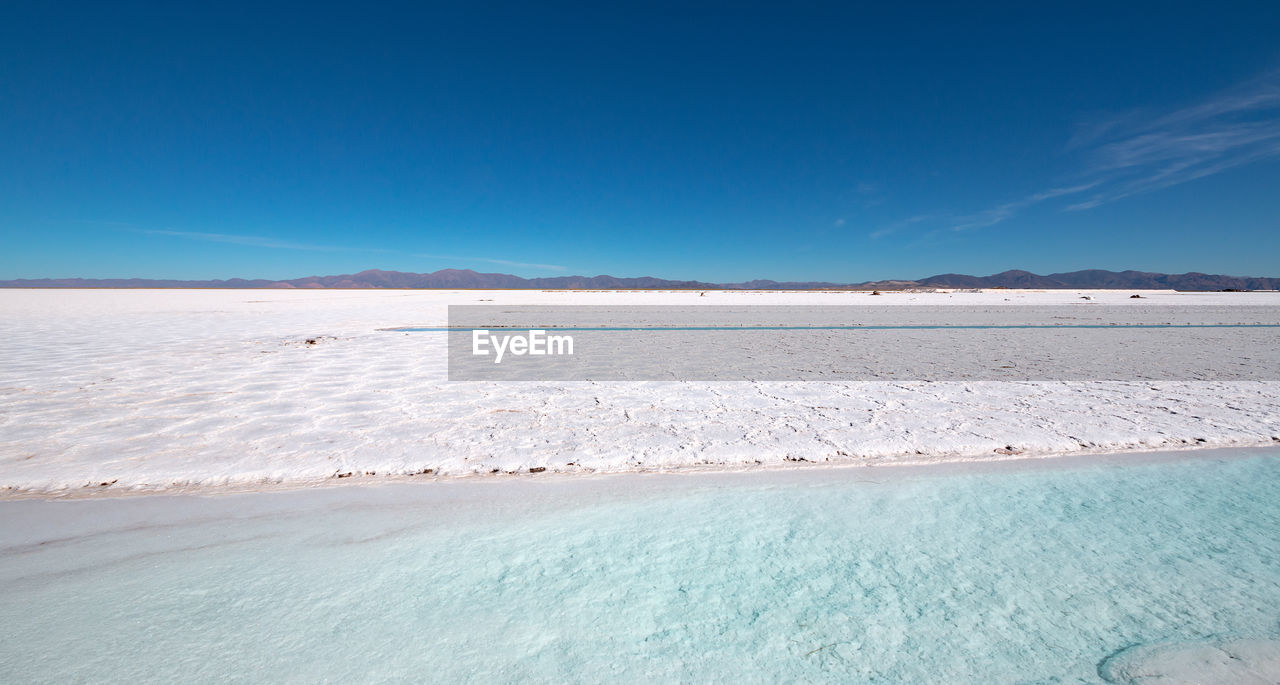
x,y
468,279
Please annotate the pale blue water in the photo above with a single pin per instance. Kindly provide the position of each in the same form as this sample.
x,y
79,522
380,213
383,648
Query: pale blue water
x,y
1031,574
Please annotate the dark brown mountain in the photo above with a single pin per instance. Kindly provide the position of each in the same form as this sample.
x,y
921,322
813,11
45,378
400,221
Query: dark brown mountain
x,y
1007,279
1142,279
468,279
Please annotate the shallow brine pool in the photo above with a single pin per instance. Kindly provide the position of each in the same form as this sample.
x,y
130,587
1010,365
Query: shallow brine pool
x,y
1075,571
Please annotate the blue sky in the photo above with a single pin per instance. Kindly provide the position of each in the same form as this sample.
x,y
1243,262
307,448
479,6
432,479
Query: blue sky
x,y
720,142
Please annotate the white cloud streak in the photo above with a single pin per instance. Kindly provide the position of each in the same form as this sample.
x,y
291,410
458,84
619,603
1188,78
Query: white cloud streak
x,y
1238,127
1132,154
273,243
995,215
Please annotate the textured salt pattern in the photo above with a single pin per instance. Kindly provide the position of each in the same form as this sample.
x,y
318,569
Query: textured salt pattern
x,y
998,576
153,389
1234,662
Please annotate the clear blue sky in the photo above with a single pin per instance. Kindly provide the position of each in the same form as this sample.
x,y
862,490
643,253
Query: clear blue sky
x,y
718,141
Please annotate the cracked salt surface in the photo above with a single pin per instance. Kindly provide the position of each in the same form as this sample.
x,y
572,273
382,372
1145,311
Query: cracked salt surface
x,y
111,391
1123,569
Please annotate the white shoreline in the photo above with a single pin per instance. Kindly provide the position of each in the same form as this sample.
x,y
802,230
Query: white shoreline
x,y
930,466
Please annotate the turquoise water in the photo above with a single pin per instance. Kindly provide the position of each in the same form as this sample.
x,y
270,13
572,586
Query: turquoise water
x,y
1035,574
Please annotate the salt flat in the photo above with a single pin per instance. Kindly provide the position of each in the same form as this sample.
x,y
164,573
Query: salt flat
x,y
155,389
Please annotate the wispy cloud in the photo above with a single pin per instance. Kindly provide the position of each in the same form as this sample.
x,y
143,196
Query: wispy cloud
x,y
900,225
275,243
250,240
995,215
502,262
1238,127
1139,153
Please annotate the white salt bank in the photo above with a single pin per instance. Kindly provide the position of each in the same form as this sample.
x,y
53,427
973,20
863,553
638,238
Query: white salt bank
x,y
117,390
